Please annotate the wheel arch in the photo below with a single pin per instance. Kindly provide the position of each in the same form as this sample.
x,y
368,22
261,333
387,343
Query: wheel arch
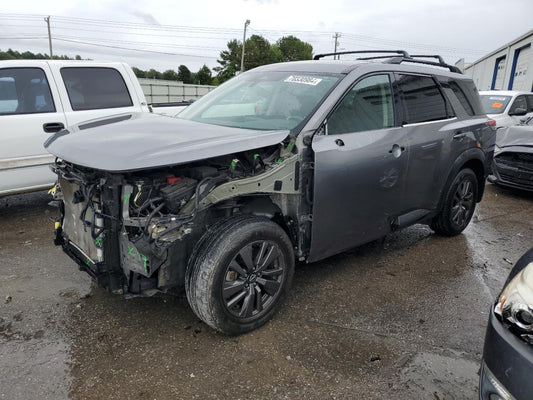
x,y
473,159
263,205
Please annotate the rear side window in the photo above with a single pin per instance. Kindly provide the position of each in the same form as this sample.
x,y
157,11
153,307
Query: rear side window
x,y
423,99
95,88
24,91
367,106
462,97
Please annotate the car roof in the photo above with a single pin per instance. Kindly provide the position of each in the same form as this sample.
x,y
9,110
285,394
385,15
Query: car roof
x,y
64,63
347,66
325,66
503,92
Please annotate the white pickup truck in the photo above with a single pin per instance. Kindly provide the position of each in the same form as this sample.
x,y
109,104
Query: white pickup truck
x,y
38,98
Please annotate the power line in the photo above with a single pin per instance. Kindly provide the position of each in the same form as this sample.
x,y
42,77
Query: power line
x,y
232,31
130,49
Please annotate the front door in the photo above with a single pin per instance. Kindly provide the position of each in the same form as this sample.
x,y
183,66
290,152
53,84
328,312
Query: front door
x,y
360,166
29,114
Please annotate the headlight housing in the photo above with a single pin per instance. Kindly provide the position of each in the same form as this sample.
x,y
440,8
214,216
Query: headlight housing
x,y
515,304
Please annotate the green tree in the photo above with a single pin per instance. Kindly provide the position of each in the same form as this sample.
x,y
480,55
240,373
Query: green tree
x,y
258,51
230,61
203,76
184,74
139,73
293,49
153,74
170,75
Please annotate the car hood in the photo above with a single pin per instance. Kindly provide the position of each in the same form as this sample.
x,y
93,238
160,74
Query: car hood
x,y
141,140
515,136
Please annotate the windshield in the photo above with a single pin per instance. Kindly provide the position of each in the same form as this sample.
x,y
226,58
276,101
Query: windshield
x,y
494,104
263,100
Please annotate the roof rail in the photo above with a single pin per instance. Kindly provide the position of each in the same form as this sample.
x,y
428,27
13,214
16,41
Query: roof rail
x,y
401,56
441,60
441,63
340,53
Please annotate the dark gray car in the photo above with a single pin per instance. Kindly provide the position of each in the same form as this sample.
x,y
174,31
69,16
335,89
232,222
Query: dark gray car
x,y
291,161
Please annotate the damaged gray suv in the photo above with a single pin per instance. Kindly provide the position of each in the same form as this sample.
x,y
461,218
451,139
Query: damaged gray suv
x,y
286,162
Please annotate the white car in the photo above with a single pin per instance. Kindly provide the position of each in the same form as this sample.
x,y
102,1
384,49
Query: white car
x,y
507,107
40,97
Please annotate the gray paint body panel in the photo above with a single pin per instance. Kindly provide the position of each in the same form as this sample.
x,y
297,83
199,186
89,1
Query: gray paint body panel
x,y
149,141
357,187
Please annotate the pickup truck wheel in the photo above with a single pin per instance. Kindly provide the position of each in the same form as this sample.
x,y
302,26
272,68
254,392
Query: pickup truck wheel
x,y
459,204
239,274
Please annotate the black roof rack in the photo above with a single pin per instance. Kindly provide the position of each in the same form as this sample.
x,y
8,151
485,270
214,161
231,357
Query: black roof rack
x,y
401,56
441,60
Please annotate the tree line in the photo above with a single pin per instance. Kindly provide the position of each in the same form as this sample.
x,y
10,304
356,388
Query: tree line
x,y
258,51
28,55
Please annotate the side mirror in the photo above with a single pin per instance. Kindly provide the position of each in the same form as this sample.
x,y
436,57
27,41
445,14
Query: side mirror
x,y
518,112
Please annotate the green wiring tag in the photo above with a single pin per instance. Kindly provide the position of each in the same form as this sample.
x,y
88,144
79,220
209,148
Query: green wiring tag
x,y
291,145
145,262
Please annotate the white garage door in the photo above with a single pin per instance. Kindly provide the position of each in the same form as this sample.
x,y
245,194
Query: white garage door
x,y
521,71
500,74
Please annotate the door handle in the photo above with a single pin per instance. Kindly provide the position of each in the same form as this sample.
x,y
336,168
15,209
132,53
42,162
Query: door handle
x,y
339,142
52,127
395,146
397,150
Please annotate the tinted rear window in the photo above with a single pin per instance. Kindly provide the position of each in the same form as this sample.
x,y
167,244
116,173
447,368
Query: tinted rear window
x,y
423,99
24,91
95,88
462,97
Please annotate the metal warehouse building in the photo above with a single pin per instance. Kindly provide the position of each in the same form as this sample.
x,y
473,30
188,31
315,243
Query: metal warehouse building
x,y
508,68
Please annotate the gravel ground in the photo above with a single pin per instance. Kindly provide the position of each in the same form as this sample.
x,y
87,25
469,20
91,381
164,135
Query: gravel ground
x,y
403,317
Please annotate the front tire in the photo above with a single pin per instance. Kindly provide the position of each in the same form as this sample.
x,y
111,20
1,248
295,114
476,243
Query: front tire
x,y
458,206
239,274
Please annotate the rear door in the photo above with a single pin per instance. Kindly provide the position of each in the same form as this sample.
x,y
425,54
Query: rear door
x,y
360,166
29,113
429,123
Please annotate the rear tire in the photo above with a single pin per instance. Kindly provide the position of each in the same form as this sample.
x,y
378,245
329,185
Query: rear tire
x,y
239,273
458,206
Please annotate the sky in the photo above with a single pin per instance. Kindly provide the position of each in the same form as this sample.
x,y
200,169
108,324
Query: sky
x,y
164,34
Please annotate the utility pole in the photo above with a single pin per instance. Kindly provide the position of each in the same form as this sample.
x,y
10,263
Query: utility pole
x,y
336,37
49,36
243,42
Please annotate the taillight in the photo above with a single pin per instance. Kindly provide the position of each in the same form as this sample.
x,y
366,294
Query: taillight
x,y
491,122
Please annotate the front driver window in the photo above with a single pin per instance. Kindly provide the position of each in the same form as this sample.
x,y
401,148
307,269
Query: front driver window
x,y
367,106
520,102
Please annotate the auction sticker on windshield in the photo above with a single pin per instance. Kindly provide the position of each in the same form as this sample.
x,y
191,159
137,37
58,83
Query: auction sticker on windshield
x,y
306,80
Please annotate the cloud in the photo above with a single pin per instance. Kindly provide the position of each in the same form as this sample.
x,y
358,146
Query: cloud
x,y
145,17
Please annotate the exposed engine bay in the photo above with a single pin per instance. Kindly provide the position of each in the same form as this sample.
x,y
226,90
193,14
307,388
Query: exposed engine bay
x,y
134,231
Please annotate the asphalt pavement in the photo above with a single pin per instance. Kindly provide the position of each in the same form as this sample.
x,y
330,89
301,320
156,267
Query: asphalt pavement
x,y
402,317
